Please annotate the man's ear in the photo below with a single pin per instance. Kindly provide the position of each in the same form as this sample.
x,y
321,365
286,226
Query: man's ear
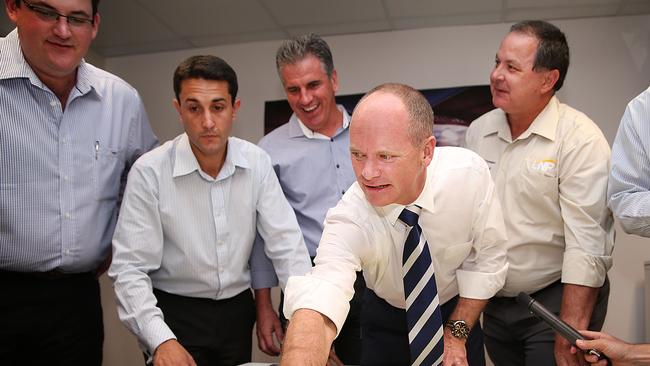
x,y
235,108
550,79
427,150
177,106
12,10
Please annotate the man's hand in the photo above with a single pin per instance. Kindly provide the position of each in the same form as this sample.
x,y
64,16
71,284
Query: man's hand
x,y
455,351
564,356
615,349
171,353
333,359
268,324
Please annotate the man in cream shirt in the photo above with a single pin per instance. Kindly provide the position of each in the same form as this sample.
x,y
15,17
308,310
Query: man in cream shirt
x,y
550,164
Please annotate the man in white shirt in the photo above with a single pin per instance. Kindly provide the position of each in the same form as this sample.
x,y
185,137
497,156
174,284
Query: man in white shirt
x,y
187,225
550,165
392,148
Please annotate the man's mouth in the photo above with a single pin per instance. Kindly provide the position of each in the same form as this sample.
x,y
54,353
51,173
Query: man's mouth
x,y
379,186
310,108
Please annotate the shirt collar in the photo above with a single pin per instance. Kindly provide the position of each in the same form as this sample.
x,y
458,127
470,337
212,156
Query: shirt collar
x,y
543,125
15,66
185,161
298,129
546,121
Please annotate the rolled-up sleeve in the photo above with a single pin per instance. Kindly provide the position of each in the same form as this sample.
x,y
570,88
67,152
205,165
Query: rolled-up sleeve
x,y
484,271
588,223
329,286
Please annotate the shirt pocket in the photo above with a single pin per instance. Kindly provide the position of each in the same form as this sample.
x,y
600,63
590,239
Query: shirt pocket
x,y
109,166
540,177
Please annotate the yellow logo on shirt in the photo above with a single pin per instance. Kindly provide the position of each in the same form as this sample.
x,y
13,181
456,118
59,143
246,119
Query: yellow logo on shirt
x,y
543,166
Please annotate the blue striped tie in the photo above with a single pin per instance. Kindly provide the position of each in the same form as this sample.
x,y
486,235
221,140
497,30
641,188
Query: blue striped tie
x,y
421,293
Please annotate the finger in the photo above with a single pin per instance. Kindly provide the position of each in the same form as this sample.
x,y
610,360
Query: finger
x,y
279,333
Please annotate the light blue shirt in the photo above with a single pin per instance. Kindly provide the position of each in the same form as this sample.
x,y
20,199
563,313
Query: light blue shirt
x,y
314,171
186,233
629,181
61,171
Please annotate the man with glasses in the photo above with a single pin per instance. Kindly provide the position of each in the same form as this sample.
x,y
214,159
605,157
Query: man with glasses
x,y
69,132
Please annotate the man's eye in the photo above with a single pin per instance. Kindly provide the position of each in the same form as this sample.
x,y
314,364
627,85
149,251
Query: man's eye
x,y
385,157
77,21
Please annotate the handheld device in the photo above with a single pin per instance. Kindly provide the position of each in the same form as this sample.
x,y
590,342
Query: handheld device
x,y
554,322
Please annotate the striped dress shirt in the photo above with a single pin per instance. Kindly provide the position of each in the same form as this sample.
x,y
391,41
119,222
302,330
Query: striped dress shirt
x,y
629,182
61,169
186,233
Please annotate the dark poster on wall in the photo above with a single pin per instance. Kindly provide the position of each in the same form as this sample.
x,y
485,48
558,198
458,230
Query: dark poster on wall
x,y
454,109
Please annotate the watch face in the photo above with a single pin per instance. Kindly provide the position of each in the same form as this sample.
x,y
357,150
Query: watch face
x,y
458,328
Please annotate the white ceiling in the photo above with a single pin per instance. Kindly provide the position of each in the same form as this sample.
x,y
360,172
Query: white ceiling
x,y
144,26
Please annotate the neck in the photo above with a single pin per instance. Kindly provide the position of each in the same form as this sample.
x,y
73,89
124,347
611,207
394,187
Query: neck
x,y
211,165
520,122
61,87
334,123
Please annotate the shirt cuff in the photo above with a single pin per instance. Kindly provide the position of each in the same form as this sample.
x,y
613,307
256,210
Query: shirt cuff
x,y
307,292
480,285
263,279
157,332
583,269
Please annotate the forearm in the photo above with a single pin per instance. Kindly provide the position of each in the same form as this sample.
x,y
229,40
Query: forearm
x,y
638,354
308,340
468,310
578,304
263,299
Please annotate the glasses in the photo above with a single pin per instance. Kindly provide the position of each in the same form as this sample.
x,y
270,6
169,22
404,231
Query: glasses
x,y
51,15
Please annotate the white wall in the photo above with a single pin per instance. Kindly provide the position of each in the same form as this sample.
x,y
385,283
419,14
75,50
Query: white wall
x,y
610,65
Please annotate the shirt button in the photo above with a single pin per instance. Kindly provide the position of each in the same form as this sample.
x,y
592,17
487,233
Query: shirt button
x,y
65,178
337,166
332,139
67,215
53,103
342,192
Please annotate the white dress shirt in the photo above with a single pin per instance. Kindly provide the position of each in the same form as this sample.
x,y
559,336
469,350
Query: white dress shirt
x,y
186,233
552,182
461,220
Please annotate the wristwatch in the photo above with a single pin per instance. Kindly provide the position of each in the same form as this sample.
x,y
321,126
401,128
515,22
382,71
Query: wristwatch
x,y
459,328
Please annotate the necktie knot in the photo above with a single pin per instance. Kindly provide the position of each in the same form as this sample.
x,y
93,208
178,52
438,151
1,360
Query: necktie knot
x,y
410,215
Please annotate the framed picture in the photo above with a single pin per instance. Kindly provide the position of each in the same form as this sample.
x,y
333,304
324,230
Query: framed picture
x,y
453,108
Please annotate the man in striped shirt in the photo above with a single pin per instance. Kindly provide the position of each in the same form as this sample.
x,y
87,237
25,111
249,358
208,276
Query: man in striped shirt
x,y
68,134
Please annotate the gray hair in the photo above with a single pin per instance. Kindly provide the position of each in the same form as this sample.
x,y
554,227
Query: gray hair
x,y
297,48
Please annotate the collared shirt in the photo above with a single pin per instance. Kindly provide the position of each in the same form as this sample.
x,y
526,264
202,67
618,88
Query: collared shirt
x,y
314,171
61,171
629,181
552,182
461,220
186,233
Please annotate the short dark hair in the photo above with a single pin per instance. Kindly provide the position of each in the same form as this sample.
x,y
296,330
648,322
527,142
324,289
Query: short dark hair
x,y
552,51
95,4
205,67
297,48
417,107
